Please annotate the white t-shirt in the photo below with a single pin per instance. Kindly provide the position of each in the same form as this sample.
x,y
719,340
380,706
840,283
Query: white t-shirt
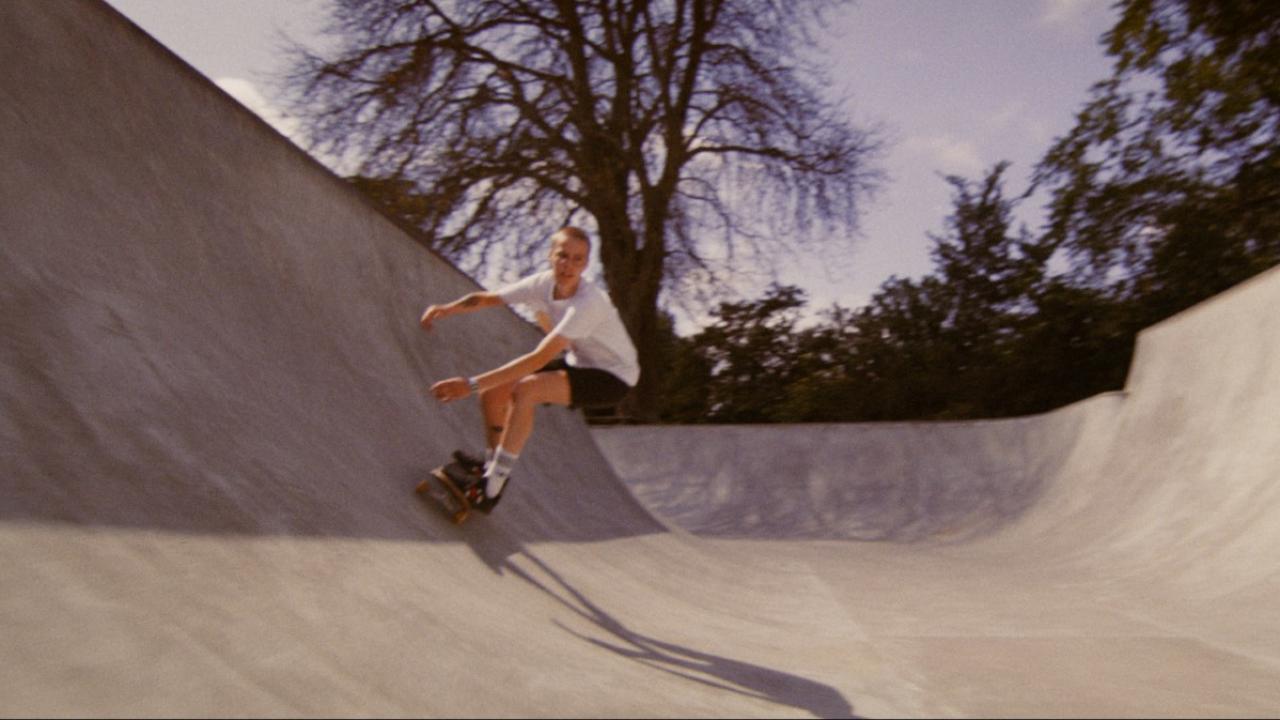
x,y
588,320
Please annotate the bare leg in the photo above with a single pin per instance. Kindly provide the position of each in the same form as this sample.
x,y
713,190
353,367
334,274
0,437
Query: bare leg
x,y
495,404
534,390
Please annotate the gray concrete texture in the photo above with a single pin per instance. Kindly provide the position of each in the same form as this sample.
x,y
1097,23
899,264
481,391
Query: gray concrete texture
x,y
212,383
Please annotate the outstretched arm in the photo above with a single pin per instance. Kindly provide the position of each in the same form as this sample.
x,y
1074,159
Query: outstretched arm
x,y
465,304
527,364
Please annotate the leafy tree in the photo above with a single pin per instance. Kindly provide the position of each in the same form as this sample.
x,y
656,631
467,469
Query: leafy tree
x,y
899,359
823,387
988,266
1168,188
685,390
989,333
684,130
988,271
1165,192
1078,342
943,346
751,353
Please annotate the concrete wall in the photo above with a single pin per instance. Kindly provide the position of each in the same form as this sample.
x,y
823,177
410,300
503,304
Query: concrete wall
x,y
207,331
212,420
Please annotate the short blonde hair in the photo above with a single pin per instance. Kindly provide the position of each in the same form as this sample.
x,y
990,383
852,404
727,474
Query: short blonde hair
x,y
571,232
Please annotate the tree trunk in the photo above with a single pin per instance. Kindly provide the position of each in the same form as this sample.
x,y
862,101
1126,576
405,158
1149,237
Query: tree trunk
x,y
634,274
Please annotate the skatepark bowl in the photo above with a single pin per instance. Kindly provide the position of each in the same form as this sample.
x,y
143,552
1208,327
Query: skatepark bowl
x,y
214,418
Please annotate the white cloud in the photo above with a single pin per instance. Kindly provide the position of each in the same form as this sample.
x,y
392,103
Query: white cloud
x,y
1067,12
1006,116
1015,122
948,154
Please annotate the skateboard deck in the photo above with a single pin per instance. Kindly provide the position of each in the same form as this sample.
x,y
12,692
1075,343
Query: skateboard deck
x,y
441,487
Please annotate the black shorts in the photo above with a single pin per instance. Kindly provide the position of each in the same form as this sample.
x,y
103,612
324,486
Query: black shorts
x,y
590,387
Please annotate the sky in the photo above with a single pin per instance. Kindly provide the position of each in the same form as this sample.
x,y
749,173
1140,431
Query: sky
x,y
957,86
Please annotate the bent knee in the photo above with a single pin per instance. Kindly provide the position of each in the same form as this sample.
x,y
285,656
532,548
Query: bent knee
x,y
525,391
500,393
541,389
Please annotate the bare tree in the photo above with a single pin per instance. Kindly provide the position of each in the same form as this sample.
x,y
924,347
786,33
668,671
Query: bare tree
x,y
693,134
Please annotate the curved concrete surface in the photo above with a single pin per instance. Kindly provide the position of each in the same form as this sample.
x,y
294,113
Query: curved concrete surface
x,y
1118,556
213,418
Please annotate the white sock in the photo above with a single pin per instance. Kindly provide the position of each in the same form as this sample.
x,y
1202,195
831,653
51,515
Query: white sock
x,y
498,471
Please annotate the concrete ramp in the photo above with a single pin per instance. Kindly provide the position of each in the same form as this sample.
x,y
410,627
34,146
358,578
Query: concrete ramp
x,y
212,418
1122,552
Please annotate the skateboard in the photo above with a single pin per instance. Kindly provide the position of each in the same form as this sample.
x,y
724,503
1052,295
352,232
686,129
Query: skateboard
x,y
447,485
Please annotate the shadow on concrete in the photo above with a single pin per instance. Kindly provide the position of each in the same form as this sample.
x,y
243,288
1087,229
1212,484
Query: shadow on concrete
x,y
500,551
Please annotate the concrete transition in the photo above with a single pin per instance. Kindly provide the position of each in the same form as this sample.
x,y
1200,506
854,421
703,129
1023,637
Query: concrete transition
x,y
213,420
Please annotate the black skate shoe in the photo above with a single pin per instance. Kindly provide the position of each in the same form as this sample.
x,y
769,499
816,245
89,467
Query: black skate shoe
x,y
472,464
462,475
478,497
